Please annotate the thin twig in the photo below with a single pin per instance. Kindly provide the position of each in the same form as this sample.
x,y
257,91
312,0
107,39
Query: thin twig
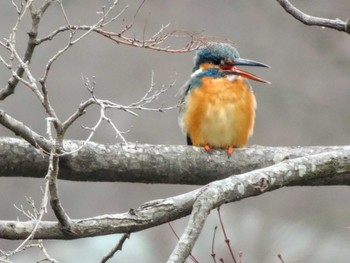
x,y
78,113
142,104
196,40
24,65
115,17
173,230
227,241
46,254
32,43
43,210
213,255
280,258
118,247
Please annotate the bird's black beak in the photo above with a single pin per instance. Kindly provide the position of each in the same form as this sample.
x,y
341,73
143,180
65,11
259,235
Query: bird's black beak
x,y
246,62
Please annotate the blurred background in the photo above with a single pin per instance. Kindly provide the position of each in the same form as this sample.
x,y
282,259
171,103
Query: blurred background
x,y
306,104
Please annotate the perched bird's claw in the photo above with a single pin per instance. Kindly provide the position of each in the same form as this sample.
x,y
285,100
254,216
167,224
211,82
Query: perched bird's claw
x,y
207,148
229,151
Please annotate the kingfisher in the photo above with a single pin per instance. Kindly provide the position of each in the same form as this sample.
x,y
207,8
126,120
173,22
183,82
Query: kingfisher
x,y
217,104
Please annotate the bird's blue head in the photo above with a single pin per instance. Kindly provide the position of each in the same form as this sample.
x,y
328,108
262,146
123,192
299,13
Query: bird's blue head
x,y
225,57
215,53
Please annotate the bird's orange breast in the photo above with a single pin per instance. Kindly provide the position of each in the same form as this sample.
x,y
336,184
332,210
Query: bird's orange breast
x,y
220,113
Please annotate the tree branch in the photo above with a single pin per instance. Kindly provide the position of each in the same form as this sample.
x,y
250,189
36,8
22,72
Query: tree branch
x,y
234,188
61,215
142,163
337,23
20,129
32,43
118,247
300,171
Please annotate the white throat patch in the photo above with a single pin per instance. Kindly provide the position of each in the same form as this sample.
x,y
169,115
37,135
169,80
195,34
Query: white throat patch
x,y
196,73
232,77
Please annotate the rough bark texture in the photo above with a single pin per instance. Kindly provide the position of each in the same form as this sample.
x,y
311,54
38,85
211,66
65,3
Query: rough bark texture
x,y
281,171
170,164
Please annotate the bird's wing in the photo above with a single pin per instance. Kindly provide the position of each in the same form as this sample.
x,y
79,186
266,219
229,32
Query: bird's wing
x,y
182,93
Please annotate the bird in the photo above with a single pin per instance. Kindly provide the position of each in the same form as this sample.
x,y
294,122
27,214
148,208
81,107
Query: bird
x,y
217,104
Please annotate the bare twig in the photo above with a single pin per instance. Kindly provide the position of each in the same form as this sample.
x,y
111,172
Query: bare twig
x,y
36,217
227,241
5,256
46,254
195,39
20,129
79,112
114,18
51,176
48,107
73,41
33,213
31,83
150,96
213,255
33,32
173,230
103,106
337,23
42,94
153,43
118,247
142,104
279,256
56,205
44,6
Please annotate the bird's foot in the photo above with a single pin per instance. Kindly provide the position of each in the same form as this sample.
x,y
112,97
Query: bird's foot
x,y
207,148
229,151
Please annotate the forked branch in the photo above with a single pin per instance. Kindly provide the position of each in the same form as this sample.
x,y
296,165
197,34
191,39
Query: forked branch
x,y
254,183
198,203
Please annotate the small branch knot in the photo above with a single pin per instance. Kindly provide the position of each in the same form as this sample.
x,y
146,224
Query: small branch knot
x,y
262,184
347,26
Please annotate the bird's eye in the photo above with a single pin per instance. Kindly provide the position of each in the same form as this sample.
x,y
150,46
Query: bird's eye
x,y
226,63
229,61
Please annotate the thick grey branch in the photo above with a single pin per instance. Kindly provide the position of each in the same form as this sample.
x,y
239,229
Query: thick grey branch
x,y
171,164
313,20
299,171
291,172
148,215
